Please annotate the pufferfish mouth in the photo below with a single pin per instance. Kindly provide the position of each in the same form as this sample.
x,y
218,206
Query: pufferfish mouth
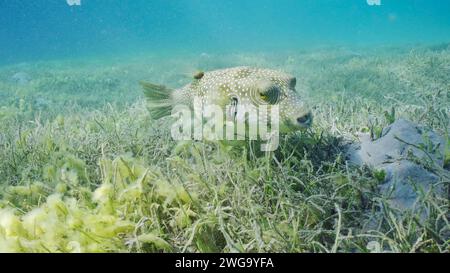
x,y
305,121
301,123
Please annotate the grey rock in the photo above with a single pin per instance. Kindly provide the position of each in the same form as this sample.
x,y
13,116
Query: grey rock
x,y
398,141
399,149
403,181
21,78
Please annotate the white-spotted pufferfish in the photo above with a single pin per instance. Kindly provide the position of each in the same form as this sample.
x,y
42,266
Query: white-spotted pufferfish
x,y
235,86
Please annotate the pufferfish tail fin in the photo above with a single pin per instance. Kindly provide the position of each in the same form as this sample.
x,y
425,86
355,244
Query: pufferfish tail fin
x,y
159,99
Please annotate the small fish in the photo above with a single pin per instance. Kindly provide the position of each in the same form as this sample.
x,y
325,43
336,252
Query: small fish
x,y
234,86
73,2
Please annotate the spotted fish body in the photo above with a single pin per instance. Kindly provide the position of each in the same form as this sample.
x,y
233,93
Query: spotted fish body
x,y
247,86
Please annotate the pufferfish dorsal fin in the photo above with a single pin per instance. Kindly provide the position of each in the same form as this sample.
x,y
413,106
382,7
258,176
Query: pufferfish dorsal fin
x,y
199,75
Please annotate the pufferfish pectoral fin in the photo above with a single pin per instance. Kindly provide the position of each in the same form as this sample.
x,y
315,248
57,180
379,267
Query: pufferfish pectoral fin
x,y
159,99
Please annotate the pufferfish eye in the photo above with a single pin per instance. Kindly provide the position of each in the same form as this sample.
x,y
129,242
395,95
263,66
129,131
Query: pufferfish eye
x,y
271,94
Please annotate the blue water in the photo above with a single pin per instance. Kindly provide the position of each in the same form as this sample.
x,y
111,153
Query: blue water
x,y
51,29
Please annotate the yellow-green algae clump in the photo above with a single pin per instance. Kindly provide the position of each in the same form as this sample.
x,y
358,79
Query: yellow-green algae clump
x,y
106,219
